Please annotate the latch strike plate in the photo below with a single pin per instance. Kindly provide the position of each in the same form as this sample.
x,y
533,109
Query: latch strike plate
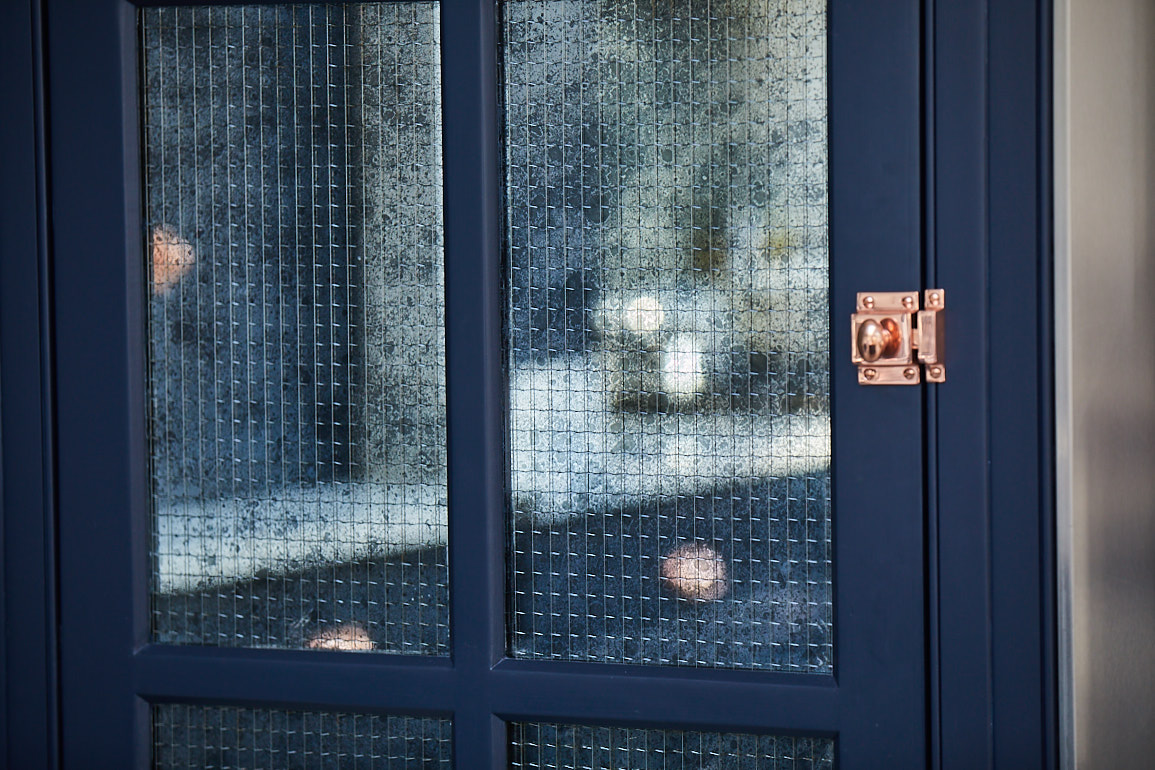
x,y
892,339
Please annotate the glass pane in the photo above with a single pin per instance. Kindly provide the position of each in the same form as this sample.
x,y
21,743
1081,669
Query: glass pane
x,y
581,747
668,343
293,183
200,737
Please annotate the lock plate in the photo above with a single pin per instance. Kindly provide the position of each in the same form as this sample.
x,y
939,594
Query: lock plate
x,y
893,337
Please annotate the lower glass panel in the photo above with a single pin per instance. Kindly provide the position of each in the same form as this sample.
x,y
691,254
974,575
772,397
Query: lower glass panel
x,y
581,747
200,737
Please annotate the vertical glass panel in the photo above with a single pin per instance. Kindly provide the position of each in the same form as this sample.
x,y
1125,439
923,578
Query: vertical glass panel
x,y
582,747
668,345
200,737
293,183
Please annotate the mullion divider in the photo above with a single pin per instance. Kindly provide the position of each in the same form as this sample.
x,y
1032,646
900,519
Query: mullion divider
x,y
474,379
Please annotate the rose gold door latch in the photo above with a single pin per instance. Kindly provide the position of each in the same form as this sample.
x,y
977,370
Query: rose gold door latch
x,y
892,339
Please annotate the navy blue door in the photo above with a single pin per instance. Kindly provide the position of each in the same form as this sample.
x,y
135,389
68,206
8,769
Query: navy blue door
x,y
549,453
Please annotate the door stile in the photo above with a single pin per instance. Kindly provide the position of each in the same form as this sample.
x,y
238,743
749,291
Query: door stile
x,y
876,231
97,294
29,704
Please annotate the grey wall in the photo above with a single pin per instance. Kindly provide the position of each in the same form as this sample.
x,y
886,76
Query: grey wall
x,y
1105,216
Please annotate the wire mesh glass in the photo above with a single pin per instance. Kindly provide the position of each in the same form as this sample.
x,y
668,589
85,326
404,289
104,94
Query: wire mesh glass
x,y
224,738
293,209
582,747
668,341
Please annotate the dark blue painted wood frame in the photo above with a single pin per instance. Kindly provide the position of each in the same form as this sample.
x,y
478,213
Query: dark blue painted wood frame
x,y
876,705
990,497
28,618
72,368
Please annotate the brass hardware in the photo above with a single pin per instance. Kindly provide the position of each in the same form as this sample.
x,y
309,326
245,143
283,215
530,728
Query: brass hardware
x,y
891,335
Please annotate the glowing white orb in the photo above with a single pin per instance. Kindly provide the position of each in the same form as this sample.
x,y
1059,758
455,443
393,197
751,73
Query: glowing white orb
x,y
684,368
643,315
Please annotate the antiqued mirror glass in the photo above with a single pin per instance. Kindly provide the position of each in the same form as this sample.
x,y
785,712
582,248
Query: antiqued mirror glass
x,y
668,343
537,746
293,208
196,737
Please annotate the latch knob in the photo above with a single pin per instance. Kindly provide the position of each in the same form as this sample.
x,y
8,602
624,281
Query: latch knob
x,y
889,331
878,338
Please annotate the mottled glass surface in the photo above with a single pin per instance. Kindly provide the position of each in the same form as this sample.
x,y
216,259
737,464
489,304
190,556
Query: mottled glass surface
x,y
222,738
668,342
583,747
293,209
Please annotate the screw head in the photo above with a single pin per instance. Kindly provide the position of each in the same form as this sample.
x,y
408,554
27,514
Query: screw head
x,y
908,302
868,302
910,372
870,374
934,299
936,371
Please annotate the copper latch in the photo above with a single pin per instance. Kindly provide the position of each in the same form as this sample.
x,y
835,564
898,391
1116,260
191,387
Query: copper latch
x,y
889,331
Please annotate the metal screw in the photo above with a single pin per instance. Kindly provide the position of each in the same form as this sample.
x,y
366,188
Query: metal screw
x,y
870,374
908,302
936,371
868,302
935,298
910,372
